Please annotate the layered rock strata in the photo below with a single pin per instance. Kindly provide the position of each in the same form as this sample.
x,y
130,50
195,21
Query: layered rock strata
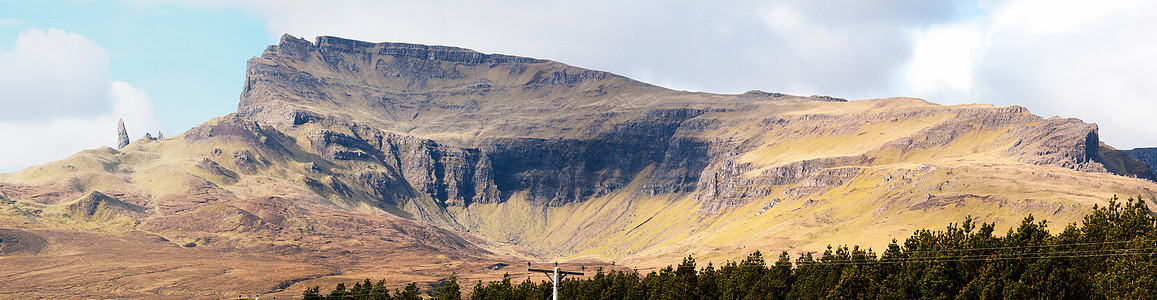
x,y
464,127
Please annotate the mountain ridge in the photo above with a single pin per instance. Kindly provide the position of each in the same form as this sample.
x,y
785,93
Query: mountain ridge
x,y
345,156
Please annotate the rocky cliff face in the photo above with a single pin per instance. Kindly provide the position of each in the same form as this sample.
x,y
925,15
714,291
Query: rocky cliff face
x,y
1147,156
464,127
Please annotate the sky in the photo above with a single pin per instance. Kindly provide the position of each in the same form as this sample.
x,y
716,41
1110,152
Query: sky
x,y
69,69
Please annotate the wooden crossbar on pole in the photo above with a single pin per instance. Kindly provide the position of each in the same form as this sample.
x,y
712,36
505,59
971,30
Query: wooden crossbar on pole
x,y
557,275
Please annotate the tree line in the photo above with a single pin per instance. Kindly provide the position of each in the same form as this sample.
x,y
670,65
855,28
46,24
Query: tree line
x,y
367,290
1111,254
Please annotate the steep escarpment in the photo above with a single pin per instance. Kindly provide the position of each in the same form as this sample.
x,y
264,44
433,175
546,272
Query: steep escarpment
x,y
1148,156
496,125
476,132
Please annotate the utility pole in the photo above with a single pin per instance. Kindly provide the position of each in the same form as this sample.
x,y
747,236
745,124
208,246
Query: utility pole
x,y
555,275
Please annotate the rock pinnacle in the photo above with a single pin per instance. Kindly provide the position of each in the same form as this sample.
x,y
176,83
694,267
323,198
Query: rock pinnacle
x,y
122,135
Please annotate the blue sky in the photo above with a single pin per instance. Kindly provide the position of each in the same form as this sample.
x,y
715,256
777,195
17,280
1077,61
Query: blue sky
x,y
188,58
70,69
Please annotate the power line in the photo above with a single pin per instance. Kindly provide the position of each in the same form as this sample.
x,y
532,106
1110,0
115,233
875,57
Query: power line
x,y
1025,256
985,248
1030,246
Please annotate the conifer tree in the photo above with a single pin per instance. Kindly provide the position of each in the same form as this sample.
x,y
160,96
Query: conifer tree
x,y
449,290
708,283
312,293
379,291
410,292
339,292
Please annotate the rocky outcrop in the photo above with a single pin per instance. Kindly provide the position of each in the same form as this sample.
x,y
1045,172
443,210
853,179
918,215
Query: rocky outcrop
x,y
211,167
1147,156
122,135
408,84
247,162
97,204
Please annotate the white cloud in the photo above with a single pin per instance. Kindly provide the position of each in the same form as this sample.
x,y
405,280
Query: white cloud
x,y
943,62
1037,17
850,49
1092,60
52,73
134,106
40,122
4,22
